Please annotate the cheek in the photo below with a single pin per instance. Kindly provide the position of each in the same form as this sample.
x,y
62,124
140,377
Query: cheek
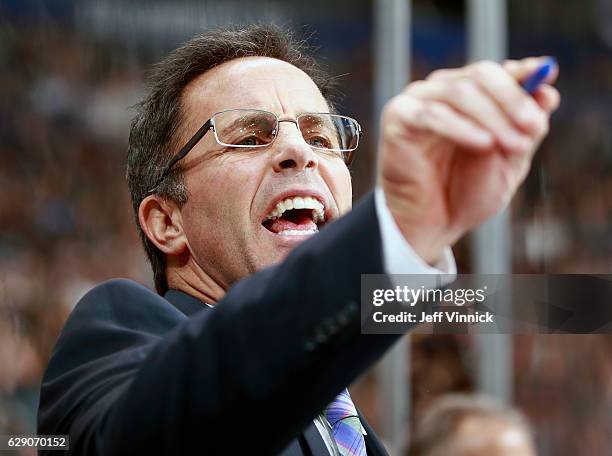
x,y
220,196
340,184
347,192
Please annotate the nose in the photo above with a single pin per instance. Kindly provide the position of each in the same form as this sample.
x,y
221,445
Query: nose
x,y
293,153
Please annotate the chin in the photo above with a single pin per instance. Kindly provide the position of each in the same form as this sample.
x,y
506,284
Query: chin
x,y
277,249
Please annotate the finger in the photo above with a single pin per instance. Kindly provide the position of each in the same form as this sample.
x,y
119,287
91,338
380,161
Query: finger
x,y
468,99
442,120
519,69
504,89
446,73
522,69
520,165
547,97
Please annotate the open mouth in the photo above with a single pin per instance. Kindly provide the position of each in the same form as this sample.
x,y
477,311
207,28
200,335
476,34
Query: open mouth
x,y
296,216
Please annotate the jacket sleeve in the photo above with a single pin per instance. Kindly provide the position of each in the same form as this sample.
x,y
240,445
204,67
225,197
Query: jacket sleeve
x,y
131,375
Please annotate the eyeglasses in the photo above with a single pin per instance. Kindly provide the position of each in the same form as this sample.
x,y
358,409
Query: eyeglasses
x,y
254,128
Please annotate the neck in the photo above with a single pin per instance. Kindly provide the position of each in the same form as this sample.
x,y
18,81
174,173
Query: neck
x,y
191,279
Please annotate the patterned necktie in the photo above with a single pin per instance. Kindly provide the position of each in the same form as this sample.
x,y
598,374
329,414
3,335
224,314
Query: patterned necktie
x,y
345,424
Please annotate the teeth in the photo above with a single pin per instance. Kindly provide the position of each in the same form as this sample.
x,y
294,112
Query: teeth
x,y
297,202
298,232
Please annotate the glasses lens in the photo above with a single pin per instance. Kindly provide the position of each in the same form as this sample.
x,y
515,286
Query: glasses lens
x,y
245,128
329,131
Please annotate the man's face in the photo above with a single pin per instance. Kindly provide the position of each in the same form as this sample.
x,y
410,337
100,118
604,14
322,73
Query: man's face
x,y
480,436
233,192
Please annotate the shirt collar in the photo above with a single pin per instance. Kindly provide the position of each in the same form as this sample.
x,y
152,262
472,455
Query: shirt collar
x,y
185,302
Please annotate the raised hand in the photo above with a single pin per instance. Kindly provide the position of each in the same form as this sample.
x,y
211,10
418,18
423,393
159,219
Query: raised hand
x,y
455,147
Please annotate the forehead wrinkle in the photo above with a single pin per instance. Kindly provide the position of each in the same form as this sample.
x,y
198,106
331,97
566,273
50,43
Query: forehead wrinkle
x,y
290,105
285,107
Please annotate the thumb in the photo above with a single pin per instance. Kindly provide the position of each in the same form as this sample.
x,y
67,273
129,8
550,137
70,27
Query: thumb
x,y
522,69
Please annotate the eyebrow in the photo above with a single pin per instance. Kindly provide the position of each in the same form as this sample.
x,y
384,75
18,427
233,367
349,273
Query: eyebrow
x,y
244,120
313,118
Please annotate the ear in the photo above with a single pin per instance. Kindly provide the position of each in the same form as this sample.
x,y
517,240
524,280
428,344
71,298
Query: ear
x,y
162,224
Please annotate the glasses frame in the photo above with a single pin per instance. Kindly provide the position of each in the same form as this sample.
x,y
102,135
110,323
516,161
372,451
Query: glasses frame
x,y
210,125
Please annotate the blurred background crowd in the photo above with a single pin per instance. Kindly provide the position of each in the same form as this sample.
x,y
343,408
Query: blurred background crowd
x,y
69,72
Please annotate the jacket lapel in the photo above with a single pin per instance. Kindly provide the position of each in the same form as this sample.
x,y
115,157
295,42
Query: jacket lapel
x,y
374,446
311,440
315,442
294,449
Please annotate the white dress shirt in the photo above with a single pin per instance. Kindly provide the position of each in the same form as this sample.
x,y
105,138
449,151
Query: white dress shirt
x,y
398,255
398,258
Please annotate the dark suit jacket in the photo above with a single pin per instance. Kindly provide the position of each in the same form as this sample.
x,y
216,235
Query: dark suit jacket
x,y
134,373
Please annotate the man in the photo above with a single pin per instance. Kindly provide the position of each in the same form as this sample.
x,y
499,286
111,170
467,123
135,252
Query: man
x,y
462,425
234,163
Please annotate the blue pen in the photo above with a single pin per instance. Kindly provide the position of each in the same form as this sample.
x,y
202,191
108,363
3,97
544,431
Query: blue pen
x,y
534,80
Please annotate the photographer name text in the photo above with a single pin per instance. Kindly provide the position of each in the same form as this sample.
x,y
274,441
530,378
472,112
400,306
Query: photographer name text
x,y
435,317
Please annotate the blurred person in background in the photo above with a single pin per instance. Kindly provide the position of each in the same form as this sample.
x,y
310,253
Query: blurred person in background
x,y
20,367
236,158
465,425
